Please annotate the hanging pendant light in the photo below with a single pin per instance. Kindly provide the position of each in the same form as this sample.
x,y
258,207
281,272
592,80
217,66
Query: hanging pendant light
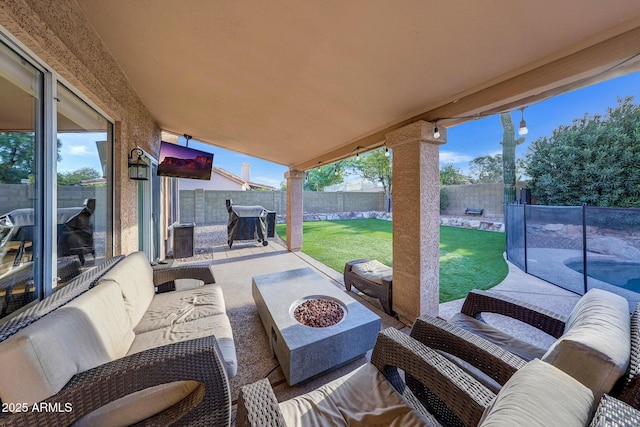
x,y
522,130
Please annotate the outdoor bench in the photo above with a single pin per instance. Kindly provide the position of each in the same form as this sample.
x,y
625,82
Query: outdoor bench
x,y
473,211
114,352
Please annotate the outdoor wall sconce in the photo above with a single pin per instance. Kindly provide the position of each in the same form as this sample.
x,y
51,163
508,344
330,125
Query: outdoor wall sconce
x,y
138,168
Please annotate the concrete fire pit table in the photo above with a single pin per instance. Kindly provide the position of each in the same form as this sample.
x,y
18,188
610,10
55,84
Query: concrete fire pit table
x,y
305,351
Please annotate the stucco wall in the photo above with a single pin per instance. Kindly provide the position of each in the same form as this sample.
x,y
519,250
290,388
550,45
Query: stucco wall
x,y
59,35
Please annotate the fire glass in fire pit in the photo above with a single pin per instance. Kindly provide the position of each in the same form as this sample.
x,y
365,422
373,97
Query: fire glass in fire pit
x,y
318,313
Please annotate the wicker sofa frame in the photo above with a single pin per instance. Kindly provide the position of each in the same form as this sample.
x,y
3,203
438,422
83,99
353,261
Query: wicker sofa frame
x,y
197,359
499,363
383,292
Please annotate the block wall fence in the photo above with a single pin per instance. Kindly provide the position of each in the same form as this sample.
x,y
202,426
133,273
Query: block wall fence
x,y
478,196
20,196
209,207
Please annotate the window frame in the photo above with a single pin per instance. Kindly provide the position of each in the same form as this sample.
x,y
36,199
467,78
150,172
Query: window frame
x,y
45,186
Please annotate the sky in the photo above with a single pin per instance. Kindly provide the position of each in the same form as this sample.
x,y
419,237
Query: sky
x,y
465,141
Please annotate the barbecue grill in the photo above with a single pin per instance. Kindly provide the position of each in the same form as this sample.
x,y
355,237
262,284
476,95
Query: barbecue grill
x,y
249,223
75,233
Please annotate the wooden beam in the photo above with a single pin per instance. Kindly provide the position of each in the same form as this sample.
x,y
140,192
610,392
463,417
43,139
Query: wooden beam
x,y
607,59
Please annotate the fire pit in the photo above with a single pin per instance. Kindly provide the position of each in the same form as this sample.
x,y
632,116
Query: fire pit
x,y
308,349
318,312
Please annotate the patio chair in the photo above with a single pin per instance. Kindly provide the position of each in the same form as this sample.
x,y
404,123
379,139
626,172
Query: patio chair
x,y
491,358
375,394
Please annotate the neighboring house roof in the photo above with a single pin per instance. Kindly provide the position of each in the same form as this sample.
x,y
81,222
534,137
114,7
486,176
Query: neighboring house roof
x,y
228,175
248,184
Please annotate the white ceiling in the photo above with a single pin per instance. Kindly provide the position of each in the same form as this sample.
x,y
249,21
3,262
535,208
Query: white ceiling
x,y
300,81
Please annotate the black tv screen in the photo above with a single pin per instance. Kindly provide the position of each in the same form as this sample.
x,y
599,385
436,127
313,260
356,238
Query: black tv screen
x,y
184,162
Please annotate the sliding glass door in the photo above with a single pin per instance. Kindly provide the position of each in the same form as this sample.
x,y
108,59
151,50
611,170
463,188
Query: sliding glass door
x,y
21,154
56,182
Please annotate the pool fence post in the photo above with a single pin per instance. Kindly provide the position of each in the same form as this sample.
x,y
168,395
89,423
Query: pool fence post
x,y
584,246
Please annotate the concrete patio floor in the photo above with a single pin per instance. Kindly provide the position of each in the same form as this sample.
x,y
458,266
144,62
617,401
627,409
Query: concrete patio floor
x,y
246,259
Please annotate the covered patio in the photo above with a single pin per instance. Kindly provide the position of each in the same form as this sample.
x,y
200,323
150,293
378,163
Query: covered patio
x,y
302,84
234,271
305,88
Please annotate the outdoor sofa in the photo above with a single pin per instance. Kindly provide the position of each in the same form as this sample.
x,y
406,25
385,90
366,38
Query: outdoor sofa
x,y
108,350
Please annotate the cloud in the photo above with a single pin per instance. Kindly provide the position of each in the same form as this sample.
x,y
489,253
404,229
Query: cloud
x,y
79,150
447,157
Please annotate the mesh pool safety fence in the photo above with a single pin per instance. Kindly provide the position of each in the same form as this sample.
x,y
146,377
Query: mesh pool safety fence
x,y
577,247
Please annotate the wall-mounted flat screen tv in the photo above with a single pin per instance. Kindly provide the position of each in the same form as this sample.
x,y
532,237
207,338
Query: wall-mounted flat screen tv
x,y
184,162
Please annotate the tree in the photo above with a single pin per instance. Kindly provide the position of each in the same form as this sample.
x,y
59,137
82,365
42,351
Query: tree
x,y
450,175
324,176
77,176
486,169
17,156
375,166
594,160
444,198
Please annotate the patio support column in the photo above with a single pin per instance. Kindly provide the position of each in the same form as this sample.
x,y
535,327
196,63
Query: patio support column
x,y
416,219
294,209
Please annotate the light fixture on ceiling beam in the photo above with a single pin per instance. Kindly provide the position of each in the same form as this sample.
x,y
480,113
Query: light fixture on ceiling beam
x,y
436,132
522,130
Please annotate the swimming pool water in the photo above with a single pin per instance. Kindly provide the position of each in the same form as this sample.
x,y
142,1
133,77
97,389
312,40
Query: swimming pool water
x,y
619,273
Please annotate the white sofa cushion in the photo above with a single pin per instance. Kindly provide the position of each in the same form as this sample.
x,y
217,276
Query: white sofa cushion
x,y
596,346
135,277
373,270
539,394
89,331
139,406
360,398
169,308
217,325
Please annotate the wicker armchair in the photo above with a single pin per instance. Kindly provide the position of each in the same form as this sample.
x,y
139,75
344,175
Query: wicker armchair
x,y
612,412
458,394
466,397
163,278
499,363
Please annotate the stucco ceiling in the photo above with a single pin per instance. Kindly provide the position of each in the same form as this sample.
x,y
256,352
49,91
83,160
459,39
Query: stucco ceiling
x,y
301,82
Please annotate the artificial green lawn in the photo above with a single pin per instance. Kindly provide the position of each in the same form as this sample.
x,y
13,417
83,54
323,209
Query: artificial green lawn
x,y
469,259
